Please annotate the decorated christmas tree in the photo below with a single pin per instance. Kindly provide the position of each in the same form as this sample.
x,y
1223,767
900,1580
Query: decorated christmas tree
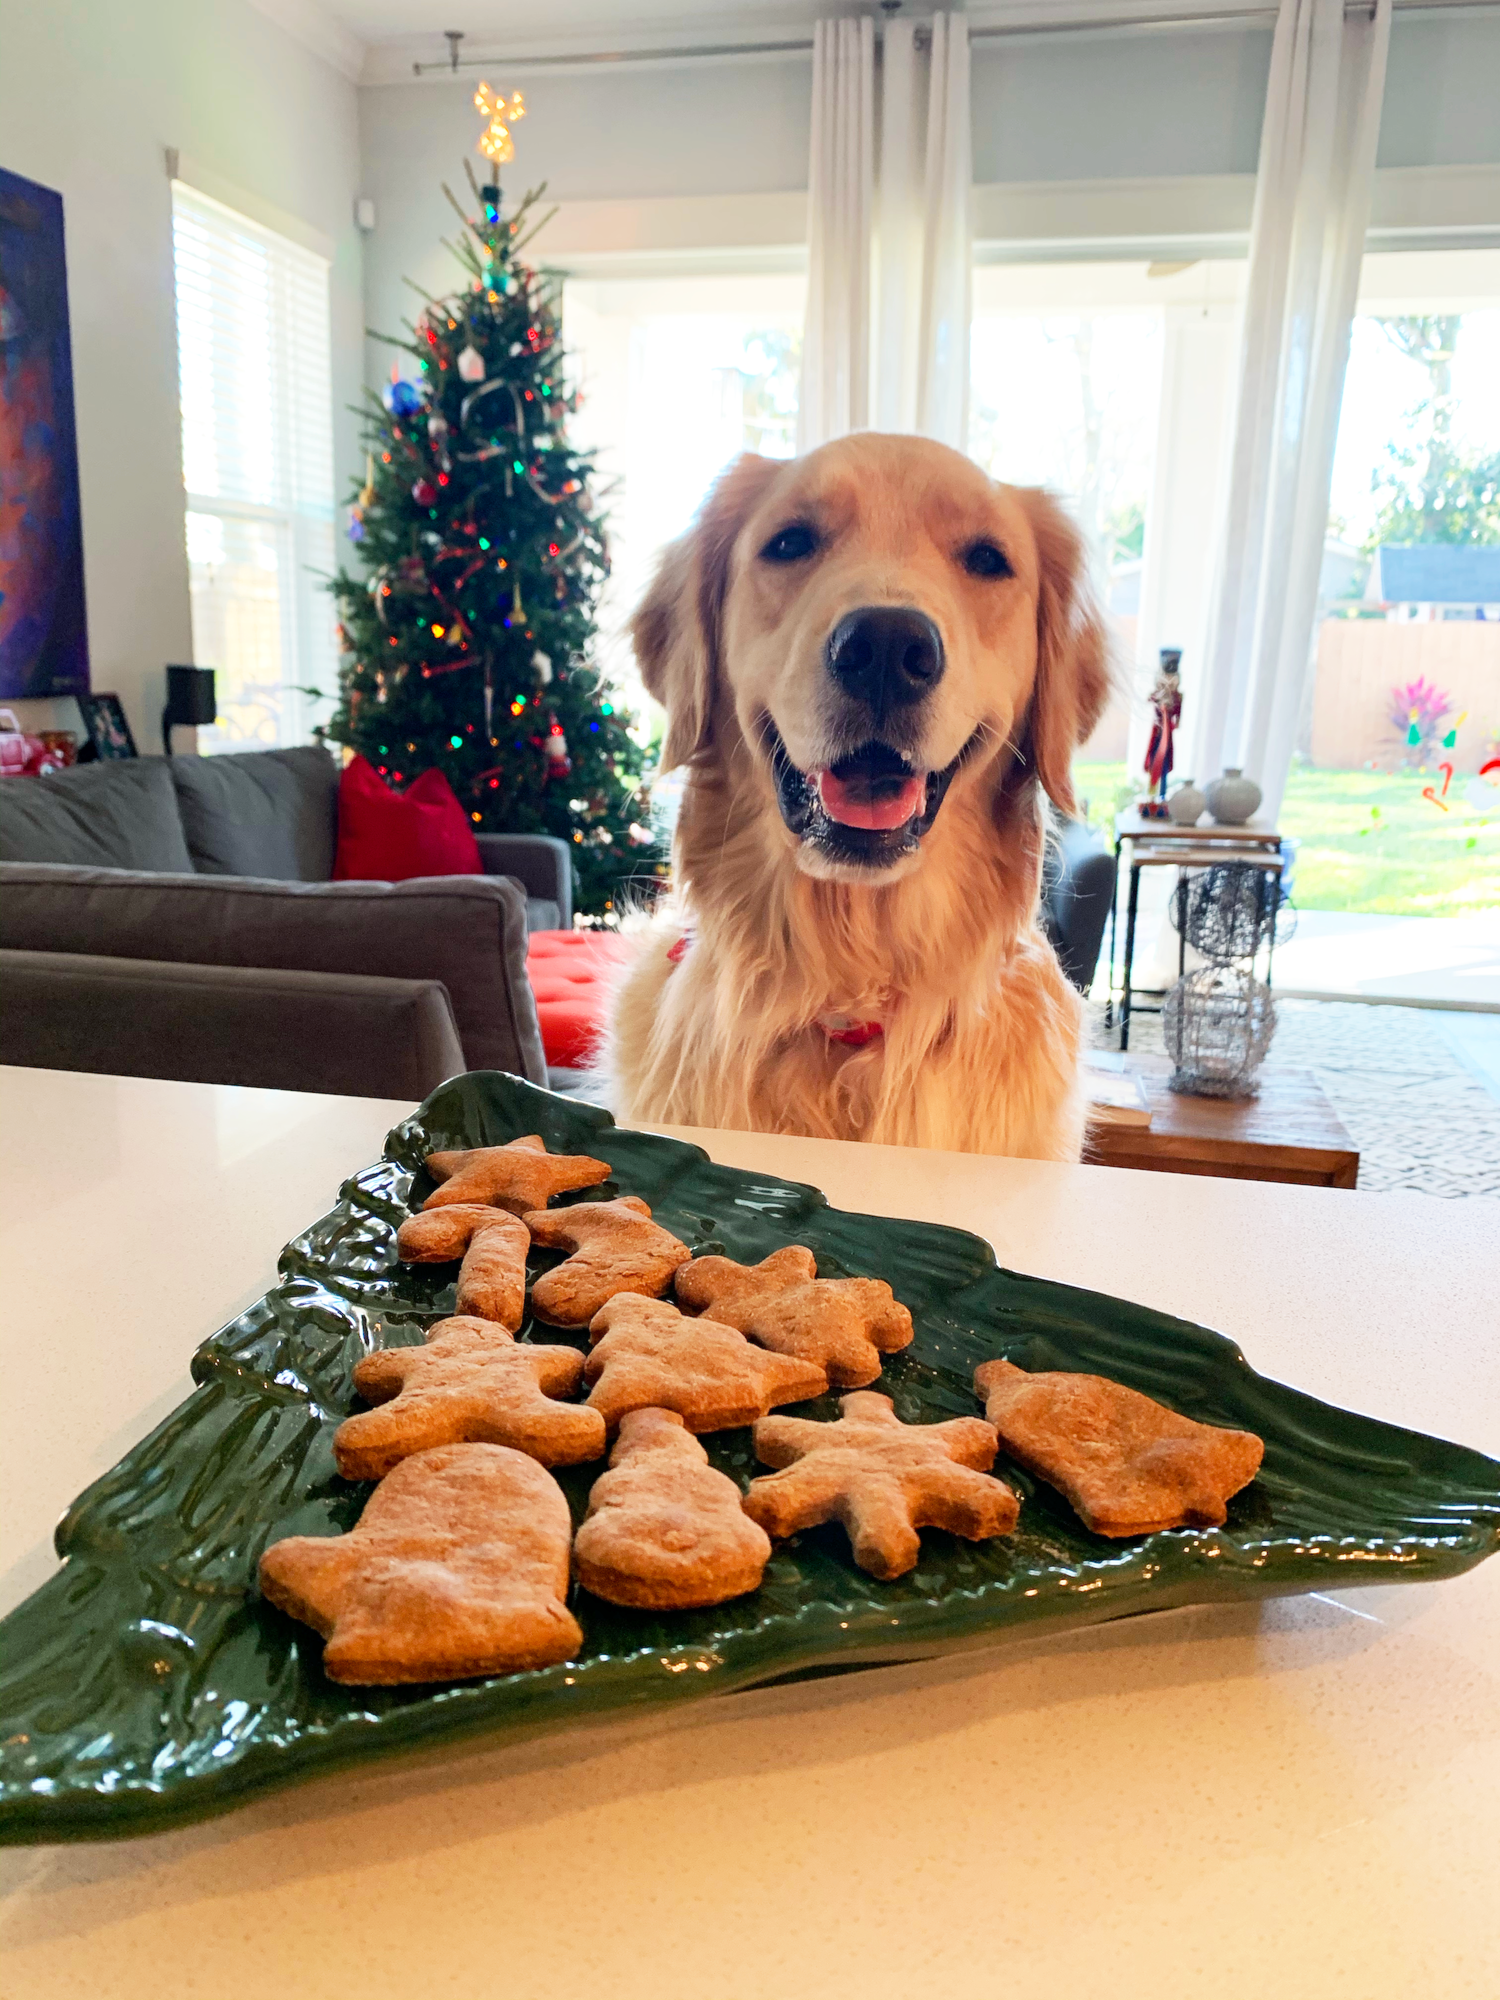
x,y
467,648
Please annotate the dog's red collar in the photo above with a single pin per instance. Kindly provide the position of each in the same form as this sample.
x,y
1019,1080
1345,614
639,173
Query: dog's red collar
x,y
837,1027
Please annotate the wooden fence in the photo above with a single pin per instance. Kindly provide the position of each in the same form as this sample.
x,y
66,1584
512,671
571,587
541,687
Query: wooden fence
x,y
1360,660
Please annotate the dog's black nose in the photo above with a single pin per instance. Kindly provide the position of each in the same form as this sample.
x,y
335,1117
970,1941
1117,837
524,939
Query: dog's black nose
x,y
886,655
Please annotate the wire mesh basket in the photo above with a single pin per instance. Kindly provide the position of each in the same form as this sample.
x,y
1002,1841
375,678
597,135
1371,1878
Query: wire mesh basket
x,y
1228,911
1217,1025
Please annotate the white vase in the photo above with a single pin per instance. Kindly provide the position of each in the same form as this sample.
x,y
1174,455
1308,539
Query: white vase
x,y
1187,804
1233,798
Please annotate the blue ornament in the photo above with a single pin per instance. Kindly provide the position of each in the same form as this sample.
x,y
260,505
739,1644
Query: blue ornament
x,y
356,530
401,398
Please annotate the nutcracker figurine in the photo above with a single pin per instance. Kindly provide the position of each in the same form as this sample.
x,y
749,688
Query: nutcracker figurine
x,y
1166,699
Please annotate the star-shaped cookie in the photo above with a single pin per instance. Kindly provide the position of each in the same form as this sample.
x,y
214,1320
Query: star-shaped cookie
x,y
493,1246
882,1479
664,1530
517,1176
616,1248
458,1566
469,1384
844,1324
647,1355
1127,1465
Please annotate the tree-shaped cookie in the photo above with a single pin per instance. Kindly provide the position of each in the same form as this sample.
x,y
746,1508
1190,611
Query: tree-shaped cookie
x,y
844,1324
493,1246
616,1248
882,1479
647,1355
1127,1465
471,1383
458,1566
664,1530
517,1176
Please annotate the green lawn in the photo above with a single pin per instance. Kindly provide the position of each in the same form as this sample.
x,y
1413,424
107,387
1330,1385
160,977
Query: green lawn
x,y
1370,841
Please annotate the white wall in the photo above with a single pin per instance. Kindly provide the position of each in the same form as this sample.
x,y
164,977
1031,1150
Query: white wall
x,y
92,92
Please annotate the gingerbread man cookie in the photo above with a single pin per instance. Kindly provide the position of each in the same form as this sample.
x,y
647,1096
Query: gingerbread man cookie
x,y
647,1355
664,1530
471,1383
616,1248
1127,1465
844,1324
493,1246
518,1176
882,1479
457,1567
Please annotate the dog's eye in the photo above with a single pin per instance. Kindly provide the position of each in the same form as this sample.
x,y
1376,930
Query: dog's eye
x,y
985,559
792,544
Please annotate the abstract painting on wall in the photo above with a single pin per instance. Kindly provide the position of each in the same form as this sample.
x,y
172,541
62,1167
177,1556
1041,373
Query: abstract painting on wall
x,y
43,636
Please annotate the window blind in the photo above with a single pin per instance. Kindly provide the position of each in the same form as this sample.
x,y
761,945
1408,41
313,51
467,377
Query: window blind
x,y
257,465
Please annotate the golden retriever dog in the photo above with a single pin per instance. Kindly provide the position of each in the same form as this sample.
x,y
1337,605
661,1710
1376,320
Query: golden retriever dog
x,y
874,661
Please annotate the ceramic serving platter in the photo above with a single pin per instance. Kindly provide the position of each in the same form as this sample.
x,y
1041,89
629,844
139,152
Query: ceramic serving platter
x,y
147,1682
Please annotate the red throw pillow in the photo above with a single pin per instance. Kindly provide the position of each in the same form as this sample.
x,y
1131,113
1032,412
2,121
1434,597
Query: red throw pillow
x,y
387,836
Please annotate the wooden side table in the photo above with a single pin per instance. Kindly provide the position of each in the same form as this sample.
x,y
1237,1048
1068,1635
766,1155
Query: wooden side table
x,y
1289,1133
1162,843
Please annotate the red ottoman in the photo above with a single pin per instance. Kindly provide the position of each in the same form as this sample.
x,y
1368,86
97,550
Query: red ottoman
x,y
571,975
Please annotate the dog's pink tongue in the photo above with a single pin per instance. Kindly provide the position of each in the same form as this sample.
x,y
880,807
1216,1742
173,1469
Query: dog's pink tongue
x,y
849,801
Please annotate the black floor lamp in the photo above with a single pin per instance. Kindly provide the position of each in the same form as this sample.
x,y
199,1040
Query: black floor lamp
x,y
190,699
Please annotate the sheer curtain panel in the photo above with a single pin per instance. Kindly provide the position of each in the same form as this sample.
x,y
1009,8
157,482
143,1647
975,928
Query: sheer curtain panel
x,y
1312,202
835,394
886,342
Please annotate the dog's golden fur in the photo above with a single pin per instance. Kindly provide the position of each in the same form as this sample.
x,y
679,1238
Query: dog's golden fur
x,y
979,1051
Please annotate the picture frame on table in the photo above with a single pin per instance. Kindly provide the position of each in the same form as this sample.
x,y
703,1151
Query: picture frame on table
x,y
105,725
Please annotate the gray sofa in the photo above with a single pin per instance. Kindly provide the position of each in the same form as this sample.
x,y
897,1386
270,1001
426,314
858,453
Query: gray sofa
x,y
174,917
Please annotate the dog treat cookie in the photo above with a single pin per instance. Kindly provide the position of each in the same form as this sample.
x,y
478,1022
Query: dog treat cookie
x,y
882,1479
493,1246
647,1355
844,1324
664,1530
469,1384
616,1248
519,1176
1127,1465
457,1567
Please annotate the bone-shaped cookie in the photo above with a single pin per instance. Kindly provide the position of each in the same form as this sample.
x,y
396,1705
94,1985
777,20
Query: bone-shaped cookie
x,y
648,1355
664,1530
457,1567
493,1246
882,1479
616,1248
844,1324
1128,1465
517,1176
471,1383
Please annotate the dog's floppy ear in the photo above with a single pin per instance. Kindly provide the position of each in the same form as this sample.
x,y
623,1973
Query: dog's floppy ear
x,y
1072,653
676,626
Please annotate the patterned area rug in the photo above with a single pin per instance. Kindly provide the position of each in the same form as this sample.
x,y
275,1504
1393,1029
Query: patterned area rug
x,y
1420,1116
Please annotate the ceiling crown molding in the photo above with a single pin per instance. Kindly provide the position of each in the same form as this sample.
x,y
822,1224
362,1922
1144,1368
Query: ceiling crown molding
x,y
318,29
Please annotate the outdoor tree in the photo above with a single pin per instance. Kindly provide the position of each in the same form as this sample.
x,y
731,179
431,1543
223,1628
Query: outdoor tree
x,y
1431,489
468,644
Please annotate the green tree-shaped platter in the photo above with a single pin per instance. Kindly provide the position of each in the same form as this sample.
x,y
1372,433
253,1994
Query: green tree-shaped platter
x,y
147,1683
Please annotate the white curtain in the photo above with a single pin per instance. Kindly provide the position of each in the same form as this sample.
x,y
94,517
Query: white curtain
x,y
835,394
888,304
1312,202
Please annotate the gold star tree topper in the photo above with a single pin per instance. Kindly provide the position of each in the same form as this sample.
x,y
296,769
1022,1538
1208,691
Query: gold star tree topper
x,y
495,141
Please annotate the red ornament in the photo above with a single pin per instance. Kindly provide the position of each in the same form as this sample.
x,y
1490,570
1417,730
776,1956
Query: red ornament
x,y
424,493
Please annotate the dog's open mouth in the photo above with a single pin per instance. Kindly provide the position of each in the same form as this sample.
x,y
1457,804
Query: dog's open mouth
x,y
870,808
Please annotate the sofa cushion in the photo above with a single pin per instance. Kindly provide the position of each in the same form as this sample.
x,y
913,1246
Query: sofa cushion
x,y
270,813
468,931
121,813
391,836
572,974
